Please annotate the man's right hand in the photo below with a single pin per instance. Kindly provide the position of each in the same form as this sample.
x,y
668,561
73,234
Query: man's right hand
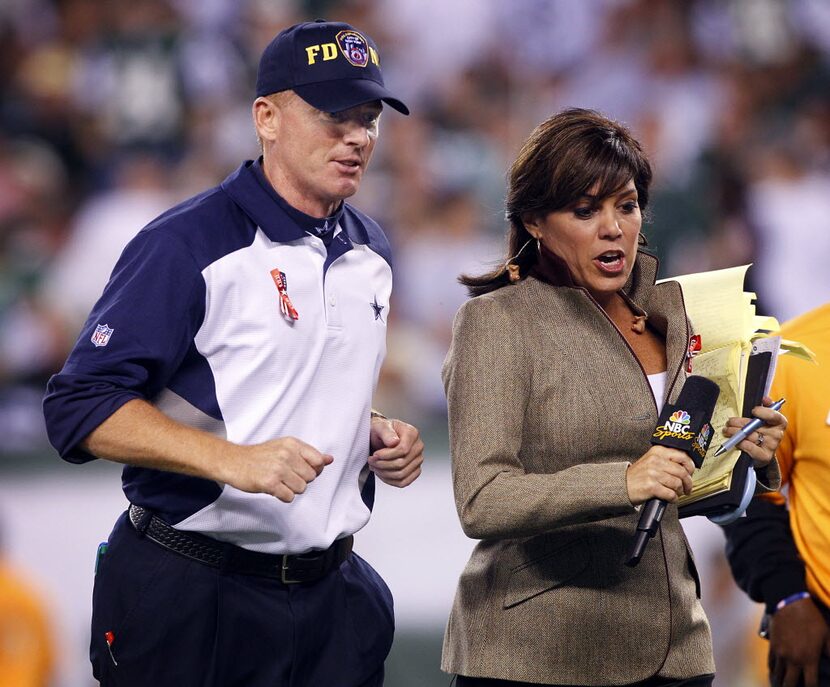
x,y
798,634
139,434
280,467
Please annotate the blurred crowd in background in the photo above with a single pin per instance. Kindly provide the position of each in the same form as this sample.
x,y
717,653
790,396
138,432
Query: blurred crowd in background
x,y
112,111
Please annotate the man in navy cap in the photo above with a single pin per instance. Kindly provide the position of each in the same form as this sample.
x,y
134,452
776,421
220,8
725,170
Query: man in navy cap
x,y
230,365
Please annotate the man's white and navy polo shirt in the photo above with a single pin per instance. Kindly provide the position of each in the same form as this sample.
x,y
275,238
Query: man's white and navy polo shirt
x,y
194,320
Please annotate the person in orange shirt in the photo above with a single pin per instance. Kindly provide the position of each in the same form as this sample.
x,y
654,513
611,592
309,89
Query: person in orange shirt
x,y
780,552
26,649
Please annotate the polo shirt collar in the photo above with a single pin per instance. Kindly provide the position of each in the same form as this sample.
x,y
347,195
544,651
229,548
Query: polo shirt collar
x,y
282,222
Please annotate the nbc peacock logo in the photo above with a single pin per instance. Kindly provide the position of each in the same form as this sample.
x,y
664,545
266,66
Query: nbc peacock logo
x,y
676,426
679,417
701,442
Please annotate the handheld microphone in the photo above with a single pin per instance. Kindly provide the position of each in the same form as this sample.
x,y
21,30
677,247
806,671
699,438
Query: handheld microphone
x,y
684,425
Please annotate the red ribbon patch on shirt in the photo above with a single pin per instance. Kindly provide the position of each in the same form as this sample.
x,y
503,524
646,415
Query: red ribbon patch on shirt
x,y
692,351
286,307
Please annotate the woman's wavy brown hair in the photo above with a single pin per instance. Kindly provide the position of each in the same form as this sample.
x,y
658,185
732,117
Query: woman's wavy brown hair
x,y
562,160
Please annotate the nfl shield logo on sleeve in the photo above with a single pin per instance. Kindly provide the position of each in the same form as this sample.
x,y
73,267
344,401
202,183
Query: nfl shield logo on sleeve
x,y
101,335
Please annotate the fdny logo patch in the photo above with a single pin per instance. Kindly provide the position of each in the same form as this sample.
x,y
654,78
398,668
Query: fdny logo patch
x,y
354,47
101,335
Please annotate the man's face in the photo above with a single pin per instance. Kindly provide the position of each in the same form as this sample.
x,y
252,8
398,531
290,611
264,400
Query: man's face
x,y
316,159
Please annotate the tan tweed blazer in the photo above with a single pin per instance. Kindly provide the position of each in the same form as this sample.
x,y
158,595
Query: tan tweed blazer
x,y
547,406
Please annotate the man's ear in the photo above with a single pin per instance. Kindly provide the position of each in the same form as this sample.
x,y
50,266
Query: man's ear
x,y
266,118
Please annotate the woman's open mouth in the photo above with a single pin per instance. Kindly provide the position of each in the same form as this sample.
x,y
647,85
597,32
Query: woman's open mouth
x,y
611,262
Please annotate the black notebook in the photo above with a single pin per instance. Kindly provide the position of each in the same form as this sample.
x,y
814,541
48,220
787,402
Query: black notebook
x,y
757,372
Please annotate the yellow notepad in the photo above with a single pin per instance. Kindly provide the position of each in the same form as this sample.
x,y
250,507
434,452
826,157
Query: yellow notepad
x,y
724,316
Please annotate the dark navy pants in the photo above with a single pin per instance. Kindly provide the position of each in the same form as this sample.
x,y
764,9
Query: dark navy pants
x,y
175,622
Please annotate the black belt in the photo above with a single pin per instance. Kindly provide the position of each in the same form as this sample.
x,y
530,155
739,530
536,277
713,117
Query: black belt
x,y
288,568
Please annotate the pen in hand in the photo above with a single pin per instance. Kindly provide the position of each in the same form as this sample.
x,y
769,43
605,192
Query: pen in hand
x,y
745,431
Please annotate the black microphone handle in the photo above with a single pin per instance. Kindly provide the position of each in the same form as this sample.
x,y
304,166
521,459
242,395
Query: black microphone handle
x,y
647,527
694,407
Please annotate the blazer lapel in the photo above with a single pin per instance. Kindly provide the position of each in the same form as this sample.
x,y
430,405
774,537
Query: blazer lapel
x,y
660,300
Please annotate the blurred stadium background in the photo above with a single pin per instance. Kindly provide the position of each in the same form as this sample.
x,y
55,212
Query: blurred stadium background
x,y
111,111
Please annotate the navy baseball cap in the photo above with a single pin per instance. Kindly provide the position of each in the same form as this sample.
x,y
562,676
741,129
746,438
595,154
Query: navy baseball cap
x,y
330,65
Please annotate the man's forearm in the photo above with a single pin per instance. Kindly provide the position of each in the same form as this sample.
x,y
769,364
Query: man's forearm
x,y
763,555
140,434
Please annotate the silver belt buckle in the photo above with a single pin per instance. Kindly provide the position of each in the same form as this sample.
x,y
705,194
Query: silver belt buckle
x,y
284,571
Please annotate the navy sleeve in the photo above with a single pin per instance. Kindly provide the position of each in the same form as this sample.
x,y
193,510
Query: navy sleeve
x,y
763,555
134,340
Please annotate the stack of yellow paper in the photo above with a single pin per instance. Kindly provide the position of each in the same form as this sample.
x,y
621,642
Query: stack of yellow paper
x,y
723,314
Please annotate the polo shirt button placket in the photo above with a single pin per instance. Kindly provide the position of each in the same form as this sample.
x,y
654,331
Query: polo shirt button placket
x,y
332,311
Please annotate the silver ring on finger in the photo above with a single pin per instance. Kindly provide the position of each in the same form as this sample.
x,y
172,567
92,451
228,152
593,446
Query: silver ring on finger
x,y
760,440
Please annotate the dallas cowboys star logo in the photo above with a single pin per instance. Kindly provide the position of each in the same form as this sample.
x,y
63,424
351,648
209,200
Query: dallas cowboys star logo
x,y
377,308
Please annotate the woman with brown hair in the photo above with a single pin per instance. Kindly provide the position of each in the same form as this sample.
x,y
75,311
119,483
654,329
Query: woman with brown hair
x,y
555,377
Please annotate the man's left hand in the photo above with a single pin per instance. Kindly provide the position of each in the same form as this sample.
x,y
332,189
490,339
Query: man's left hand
x,y
798,635
397,451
